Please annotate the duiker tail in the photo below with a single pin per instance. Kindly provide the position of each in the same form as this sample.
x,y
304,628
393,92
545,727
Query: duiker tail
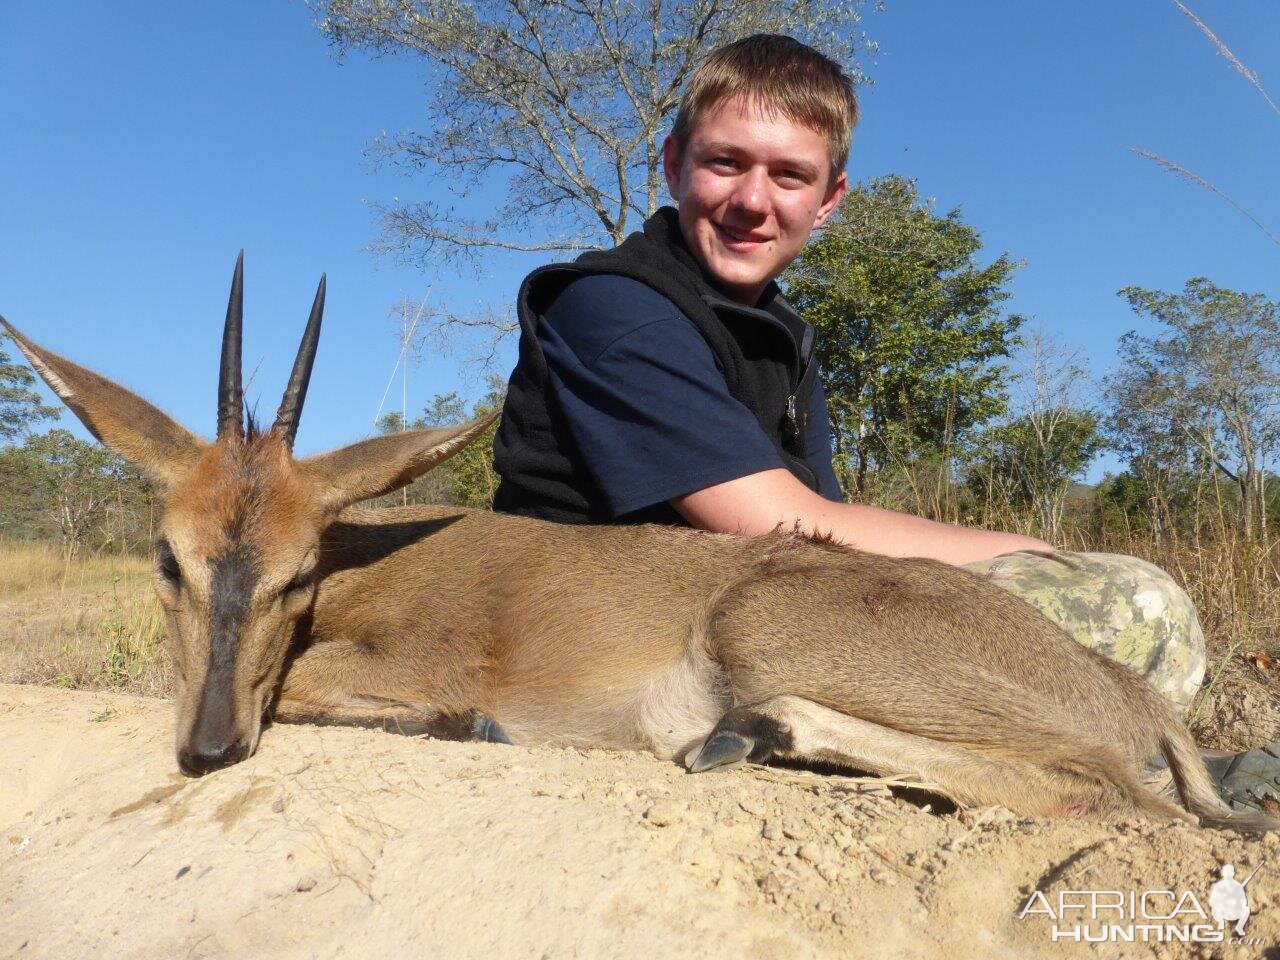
x,y
1072,750
1020,725
1198,790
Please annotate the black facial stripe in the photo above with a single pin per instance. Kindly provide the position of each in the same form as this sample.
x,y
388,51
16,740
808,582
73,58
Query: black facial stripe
x,y
234,575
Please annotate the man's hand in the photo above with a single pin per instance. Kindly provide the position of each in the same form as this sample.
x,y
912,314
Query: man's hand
x,y
762,501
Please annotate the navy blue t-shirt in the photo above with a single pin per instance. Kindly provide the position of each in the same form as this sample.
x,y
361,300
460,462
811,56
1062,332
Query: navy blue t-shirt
x,y
646,401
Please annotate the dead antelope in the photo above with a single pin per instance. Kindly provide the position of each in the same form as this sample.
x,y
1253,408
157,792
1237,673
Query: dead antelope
x,y
284,599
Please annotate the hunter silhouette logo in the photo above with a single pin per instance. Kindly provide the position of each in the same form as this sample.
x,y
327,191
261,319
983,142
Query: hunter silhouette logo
x,y
1148,916
1227,900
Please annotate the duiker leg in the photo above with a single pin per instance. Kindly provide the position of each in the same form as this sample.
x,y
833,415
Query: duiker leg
x,y
1134,613
323,686
389,716
796,728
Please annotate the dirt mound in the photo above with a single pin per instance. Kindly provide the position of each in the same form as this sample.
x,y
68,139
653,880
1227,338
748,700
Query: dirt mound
x,y
351,843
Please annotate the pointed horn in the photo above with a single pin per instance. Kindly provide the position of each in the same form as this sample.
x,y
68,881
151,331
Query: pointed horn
x,y
286,425
230,393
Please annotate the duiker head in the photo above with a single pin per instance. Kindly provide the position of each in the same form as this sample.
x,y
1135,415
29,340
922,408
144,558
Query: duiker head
x,y
238,545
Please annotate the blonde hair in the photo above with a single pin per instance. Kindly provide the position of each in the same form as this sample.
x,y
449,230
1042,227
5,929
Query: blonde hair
x,y
775,72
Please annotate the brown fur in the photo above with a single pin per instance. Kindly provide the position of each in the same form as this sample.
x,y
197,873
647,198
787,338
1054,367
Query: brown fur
x,y
626,637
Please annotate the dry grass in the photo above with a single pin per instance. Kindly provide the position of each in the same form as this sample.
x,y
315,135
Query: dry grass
x,y
1234,582
27,565
87,622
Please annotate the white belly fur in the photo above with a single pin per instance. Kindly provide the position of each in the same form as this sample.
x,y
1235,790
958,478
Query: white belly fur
x,y
665,715
680,707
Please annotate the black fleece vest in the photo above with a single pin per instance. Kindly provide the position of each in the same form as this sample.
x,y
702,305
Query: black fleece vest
x,y
765,352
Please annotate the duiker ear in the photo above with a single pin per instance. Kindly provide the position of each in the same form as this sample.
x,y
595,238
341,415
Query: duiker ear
x,y
373,467
123,421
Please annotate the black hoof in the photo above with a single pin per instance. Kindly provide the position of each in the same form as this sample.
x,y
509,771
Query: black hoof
x,y
487,730
742,735
722,749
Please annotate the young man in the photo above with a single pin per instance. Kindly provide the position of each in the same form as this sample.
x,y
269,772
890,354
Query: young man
x,y
668,380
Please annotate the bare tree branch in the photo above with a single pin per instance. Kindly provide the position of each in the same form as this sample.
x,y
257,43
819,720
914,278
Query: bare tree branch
x,y
565,98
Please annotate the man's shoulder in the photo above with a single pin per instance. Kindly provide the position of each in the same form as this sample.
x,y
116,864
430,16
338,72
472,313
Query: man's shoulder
x,y
593,312
609,295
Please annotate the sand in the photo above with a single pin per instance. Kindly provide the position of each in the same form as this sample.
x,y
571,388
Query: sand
x,y
335,843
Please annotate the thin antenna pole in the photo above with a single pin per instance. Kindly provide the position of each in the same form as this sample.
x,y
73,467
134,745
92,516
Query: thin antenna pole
x,y
405,332
395,367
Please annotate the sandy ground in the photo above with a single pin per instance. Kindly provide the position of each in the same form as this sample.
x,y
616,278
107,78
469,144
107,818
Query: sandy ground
x,y
350,843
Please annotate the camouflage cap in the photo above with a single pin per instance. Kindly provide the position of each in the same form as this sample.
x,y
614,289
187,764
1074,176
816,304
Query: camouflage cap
x,y
1124,608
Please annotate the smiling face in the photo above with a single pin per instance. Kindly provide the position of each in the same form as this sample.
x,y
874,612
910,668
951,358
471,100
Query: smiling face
x,y
751,185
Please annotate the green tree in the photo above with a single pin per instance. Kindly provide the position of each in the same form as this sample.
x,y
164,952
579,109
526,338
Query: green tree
x,y
467,479
910,327
1031,462
569,101
18,515
20,406
1026,465
1161,463
1124,504
444,410
473,476
394,422
1204,389
81,492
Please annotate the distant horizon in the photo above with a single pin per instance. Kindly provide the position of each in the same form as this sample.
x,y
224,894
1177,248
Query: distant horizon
x,y
152,149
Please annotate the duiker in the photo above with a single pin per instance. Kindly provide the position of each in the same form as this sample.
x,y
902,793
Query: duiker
x,y
286,600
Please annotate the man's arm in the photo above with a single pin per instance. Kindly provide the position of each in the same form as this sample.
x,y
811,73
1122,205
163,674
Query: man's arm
x,y
762,501
627,370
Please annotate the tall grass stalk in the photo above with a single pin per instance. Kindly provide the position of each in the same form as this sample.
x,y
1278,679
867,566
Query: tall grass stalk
x,y
1232,577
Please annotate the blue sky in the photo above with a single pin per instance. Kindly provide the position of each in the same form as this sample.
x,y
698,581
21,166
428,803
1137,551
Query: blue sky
x,y
144,144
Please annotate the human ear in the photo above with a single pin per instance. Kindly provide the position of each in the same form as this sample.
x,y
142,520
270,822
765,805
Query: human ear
x,y
671,160
832,200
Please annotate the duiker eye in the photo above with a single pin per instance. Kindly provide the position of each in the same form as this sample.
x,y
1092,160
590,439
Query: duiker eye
x,y
168,563
301,582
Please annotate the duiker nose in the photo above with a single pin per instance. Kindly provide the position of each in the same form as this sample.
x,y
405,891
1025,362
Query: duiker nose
x,y
198,759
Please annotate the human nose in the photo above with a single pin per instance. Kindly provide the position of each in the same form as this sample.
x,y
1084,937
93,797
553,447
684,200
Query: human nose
x,y
751,193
